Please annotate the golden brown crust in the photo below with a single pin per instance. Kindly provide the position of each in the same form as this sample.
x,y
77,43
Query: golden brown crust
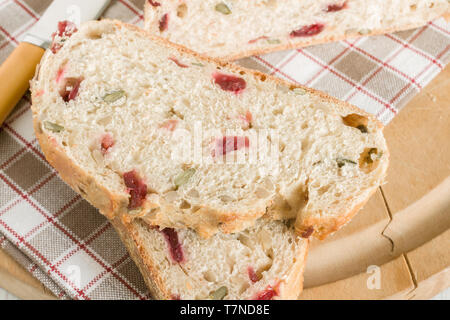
x,y
292,287
302,43
112,205
133,243
325,226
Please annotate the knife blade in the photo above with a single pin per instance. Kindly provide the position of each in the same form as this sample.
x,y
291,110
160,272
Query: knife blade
x,y
19,68
76,11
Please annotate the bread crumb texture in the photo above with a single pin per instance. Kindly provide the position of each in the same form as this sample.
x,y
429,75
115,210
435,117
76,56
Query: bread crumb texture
x,y
264,262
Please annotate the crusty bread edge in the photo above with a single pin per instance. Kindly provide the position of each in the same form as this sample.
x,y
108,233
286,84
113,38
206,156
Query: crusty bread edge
x,y
111,204
130,237
303,43
292,287
322,228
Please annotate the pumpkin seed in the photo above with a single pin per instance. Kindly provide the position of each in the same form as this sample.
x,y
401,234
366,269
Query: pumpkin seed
x,y
223,8
299,91
53,126
134,212
342,162
364,31
273,41
183,177
182,10
114,96
197,64
219,294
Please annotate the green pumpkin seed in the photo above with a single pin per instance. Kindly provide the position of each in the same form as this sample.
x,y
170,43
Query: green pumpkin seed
x,y
197,64
299,91
223,8
342,162
364,31
183,177
114,96
273,41
53,126
134,212
350,31
219,294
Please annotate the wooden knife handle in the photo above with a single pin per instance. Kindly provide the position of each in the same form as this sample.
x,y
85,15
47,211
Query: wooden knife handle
x,y
15,75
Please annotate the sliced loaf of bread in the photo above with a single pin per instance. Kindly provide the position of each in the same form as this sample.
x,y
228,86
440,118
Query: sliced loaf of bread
x,y
232,29
143,128
264,262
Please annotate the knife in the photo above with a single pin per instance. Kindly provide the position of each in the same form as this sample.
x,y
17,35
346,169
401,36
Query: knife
x,y
19,68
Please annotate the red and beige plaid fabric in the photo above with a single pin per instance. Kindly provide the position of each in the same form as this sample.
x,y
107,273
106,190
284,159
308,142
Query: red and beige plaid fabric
x,y
71,248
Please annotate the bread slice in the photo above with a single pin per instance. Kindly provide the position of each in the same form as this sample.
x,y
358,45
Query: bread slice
x,y
264,262
232,29
144,128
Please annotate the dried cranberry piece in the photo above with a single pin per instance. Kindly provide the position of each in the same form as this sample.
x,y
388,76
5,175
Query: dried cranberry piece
x,y
307,233
60,74
248,116
55,47
136,187
70,88
336,7
178,63
170,125
267,294
176,251
308,31
107,142
229,82
154,3
65,29
228,144
252,275
257,39
176,297
164,22
246,120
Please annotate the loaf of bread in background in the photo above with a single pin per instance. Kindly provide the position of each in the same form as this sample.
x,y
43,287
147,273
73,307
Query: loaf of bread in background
x,y
232,29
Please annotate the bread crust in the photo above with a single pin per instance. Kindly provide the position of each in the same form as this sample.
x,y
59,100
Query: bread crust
x,y
303,43
323,227
148,269
292,287
114,205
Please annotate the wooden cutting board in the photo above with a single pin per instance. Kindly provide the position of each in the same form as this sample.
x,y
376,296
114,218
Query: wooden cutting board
x,y
397,246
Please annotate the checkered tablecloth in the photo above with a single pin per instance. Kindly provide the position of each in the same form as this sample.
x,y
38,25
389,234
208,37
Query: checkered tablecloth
x,y
71,248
